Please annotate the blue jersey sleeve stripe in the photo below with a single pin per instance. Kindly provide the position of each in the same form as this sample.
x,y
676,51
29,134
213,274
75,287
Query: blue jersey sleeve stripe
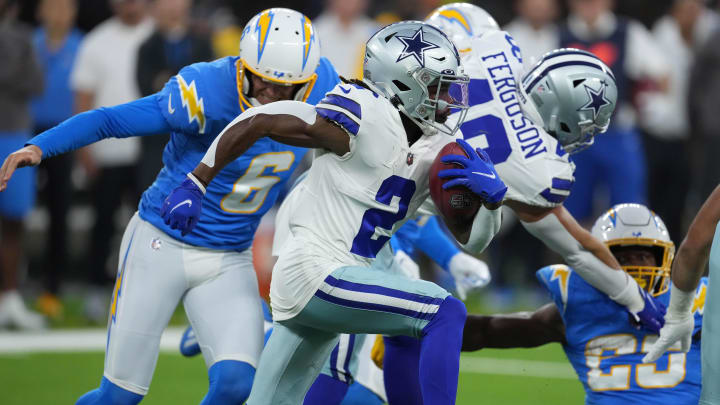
x,y
340,118
345,103
561,184
552,197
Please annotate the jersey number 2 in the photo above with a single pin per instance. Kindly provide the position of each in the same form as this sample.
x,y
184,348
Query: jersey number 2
x,y
250,191
366,243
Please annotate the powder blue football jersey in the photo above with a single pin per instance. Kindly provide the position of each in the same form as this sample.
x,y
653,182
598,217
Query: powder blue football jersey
x,y
606,350
198,103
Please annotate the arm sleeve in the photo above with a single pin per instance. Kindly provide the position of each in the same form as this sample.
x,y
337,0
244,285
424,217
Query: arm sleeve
x,y
301,110
485,226
614,283
436,243
137,118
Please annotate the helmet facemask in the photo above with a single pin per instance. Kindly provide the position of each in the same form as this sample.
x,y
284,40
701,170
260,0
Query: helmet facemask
x,y
244,72
653,279
441,92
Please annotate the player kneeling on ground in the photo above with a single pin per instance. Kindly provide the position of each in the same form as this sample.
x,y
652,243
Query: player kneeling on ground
x,y
603,343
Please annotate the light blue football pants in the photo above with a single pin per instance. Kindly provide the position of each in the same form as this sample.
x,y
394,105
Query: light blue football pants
x,y
355,300
342,363
711,331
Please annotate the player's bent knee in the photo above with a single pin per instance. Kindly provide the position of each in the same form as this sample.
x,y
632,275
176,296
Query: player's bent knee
x,y
451,312
109,394
230,383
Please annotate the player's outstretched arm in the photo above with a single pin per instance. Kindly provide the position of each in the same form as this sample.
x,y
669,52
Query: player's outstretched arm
x,y
520,329
693,253
137,118
30,155
590,258
289,122
687,269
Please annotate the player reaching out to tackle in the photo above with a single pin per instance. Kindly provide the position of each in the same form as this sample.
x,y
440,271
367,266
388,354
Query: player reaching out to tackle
x,y
355,196
605,350
209,268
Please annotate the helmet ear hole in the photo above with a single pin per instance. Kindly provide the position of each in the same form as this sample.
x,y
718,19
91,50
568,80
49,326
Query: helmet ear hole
x,y
564,127
400,85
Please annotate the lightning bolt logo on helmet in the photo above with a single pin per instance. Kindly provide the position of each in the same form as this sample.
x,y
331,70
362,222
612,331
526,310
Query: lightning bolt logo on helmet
x,y
263,29
308,38
453,15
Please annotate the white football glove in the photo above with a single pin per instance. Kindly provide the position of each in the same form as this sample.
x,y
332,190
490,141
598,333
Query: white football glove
x,y
679,325
469,273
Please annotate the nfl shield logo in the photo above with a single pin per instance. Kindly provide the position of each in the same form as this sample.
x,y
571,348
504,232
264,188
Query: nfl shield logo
x,y
409,159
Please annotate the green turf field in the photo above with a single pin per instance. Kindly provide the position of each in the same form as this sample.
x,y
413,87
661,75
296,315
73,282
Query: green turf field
x,y
59,378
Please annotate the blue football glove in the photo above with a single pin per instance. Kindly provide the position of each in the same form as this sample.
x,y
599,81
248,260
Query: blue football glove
x,y
478,174
652,316
182,207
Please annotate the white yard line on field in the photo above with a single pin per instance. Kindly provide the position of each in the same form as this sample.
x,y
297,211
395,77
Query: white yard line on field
x,y
91,340
72,340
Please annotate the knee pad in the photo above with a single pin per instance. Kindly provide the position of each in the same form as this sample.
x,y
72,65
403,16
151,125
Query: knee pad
x,y
109,394
230,383
452,313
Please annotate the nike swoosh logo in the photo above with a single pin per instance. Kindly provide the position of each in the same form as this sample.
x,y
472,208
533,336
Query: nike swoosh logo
x,y
490,175
170,109
343,89
181,203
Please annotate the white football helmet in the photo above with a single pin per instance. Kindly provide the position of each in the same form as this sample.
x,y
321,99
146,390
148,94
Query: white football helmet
x,y
462,22
280,46
574,93
404,59
627,225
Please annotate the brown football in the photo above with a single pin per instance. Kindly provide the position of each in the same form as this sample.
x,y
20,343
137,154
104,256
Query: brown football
x,y
457,204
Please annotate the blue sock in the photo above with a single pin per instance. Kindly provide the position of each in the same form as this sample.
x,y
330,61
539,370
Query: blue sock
x,y
357,394
326,391
189,345
230,383
440,353
109,394
400,370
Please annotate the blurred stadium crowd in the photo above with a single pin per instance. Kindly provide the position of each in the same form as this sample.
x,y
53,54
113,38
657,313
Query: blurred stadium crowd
x,y
62,57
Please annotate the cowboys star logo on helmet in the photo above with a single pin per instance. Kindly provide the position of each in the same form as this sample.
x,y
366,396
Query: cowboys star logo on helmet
x,y
415,46
596,99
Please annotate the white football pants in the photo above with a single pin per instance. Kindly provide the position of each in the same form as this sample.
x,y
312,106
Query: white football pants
x,y
219,290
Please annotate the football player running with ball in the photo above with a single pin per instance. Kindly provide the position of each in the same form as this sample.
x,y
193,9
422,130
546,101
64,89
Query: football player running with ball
x,y
355,196
209,268
529,128
605,349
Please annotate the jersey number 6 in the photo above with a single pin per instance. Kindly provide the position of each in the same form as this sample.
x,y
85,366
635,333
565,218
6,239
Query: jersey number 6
x,y
250,191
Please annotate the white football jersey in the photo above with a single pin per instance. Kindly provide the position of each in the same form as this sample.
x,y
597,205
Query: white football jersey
x,y
347,207
532,164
